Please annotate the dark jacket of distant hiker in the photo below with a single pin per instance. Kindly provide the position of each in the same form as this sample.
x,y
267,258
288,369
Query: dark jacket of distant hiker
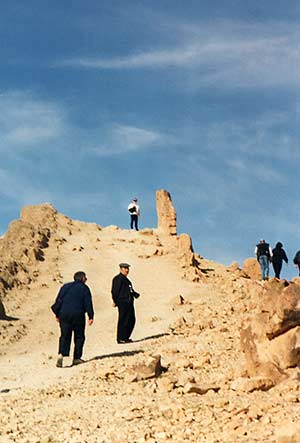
x,y
279,255
263,249
73,301
122,290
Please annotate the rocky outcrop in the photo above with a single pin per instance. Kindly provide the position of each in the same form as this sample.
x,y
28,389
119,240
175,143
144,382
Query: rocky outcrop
x,y
166,214
270,338
22,247
251,268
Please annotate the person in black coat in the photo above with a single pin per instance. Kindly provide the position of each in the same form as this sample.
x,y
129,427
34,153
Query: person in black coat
x,y
73,301
123,296
279,255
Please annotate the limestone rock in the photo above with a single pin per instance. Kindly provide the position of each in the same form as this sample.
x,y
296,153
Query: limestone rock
x,y
150,369
258,383
289,433
185,249
166,214
44,214
234,266
201,389
270,338
251,268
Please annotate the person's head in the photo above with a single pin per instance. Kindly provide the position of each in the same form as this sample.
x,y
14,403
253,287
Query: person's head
x,y
135,200
261,241
80,276
124,268
279,245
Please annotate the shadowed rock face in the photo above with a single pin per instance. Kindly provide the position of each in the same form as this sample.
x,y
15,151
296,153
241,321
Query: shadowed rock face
x,y
166,214
270,338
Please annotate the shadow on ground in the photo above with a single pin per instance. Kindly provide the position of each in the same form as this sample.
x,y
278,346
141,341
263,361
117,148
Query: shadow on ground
x,y
151,337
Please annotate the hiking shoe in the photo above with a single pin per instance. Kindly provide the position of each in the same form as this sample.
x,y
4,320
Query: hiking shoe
x,y
59,361
78,361
128,340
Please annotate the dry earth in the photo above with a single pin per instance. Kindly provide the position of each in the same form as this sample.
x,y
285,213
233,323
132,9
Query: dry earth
x,y
189,315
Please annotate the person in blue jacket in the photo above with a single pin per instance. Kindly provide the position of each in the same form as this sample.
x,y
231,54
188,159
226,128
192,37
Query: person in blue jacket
x,y
73,301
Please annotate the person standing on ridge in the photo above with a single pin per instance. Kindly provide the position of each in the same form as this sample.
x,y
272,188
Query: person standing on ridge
x,y
123,296
264,255
73,301
296,261
279,255
134,211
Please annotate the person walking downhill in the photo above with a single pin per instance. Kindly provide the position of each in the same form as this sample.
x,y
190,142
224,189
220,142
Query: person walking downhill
x,y
278,256
264,255
73,301
134,211
123,296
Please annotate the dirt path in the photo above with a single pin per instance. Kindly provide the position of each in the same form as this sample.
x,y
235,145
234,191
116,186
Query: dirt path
x,y
31,361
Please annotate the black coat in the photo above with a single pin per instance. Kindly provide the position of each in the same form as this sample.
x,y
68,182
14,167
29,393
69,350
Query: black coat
x,y
279,255
121,289
73,300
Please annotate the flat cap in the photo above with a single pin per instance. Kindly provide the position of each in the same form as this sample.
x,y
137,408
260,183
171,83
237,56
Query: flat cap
x,y
124,265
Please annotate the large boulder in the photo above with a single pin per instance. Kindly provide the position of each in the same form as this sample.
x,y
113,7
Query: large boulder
x,y
166,214
270,338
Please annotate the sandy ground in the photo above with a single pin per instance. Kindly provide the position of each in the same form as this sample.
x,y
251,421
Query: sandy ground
x,y
31,362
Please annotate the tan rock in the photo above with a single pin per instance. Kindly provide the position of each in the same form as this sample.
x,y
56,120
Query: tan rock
x,y
251,268
234,266
193,388
289,433
150,369
166,214
258,383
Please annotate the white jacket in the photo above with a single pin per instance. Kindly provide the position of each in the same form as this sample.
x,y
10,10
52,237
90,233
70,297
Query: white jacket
x,y
137,208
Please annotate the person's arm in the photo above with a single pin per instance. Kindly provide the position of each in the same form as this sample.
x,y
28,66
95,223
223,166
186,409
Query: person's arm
x,y
255,250
88,303
58,302
284,256
116,288
270,252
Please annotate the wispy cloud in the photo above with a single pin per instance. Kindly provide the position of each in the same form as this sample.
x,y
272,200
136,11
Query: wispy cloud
x,y
264,173
123,138
26,121
229,56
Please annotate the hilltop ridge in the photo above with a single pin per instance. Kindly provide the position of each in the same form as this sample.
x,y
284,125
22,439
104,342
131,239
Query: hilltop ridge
x,y
202,318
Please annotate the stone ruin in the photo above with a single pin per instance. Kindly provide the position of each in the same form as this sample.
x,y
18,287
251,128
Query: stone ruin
x,y
166,214
181,244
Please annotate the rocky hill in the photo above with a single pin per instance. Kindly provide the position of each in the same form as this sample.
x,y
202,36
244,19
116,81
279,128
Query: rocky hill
x,y
215,355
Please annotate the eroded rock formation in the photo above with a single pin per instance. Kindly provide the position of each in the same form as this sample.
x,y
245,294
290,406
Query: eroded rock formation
x,y
166,214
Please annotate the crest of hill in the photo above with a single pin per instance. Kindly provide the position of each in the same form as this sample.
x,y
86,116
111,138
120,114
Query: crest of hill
x,y
232,339
40,230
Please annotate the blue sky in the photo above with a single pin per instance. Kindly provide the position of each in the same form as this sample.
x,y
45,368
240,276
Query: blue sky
x,y
104,100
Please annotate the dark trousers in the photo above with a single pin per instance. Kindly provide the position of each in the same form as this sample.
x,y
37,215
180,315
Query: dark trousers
x,y
277,268
68,326
126,320
134,221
